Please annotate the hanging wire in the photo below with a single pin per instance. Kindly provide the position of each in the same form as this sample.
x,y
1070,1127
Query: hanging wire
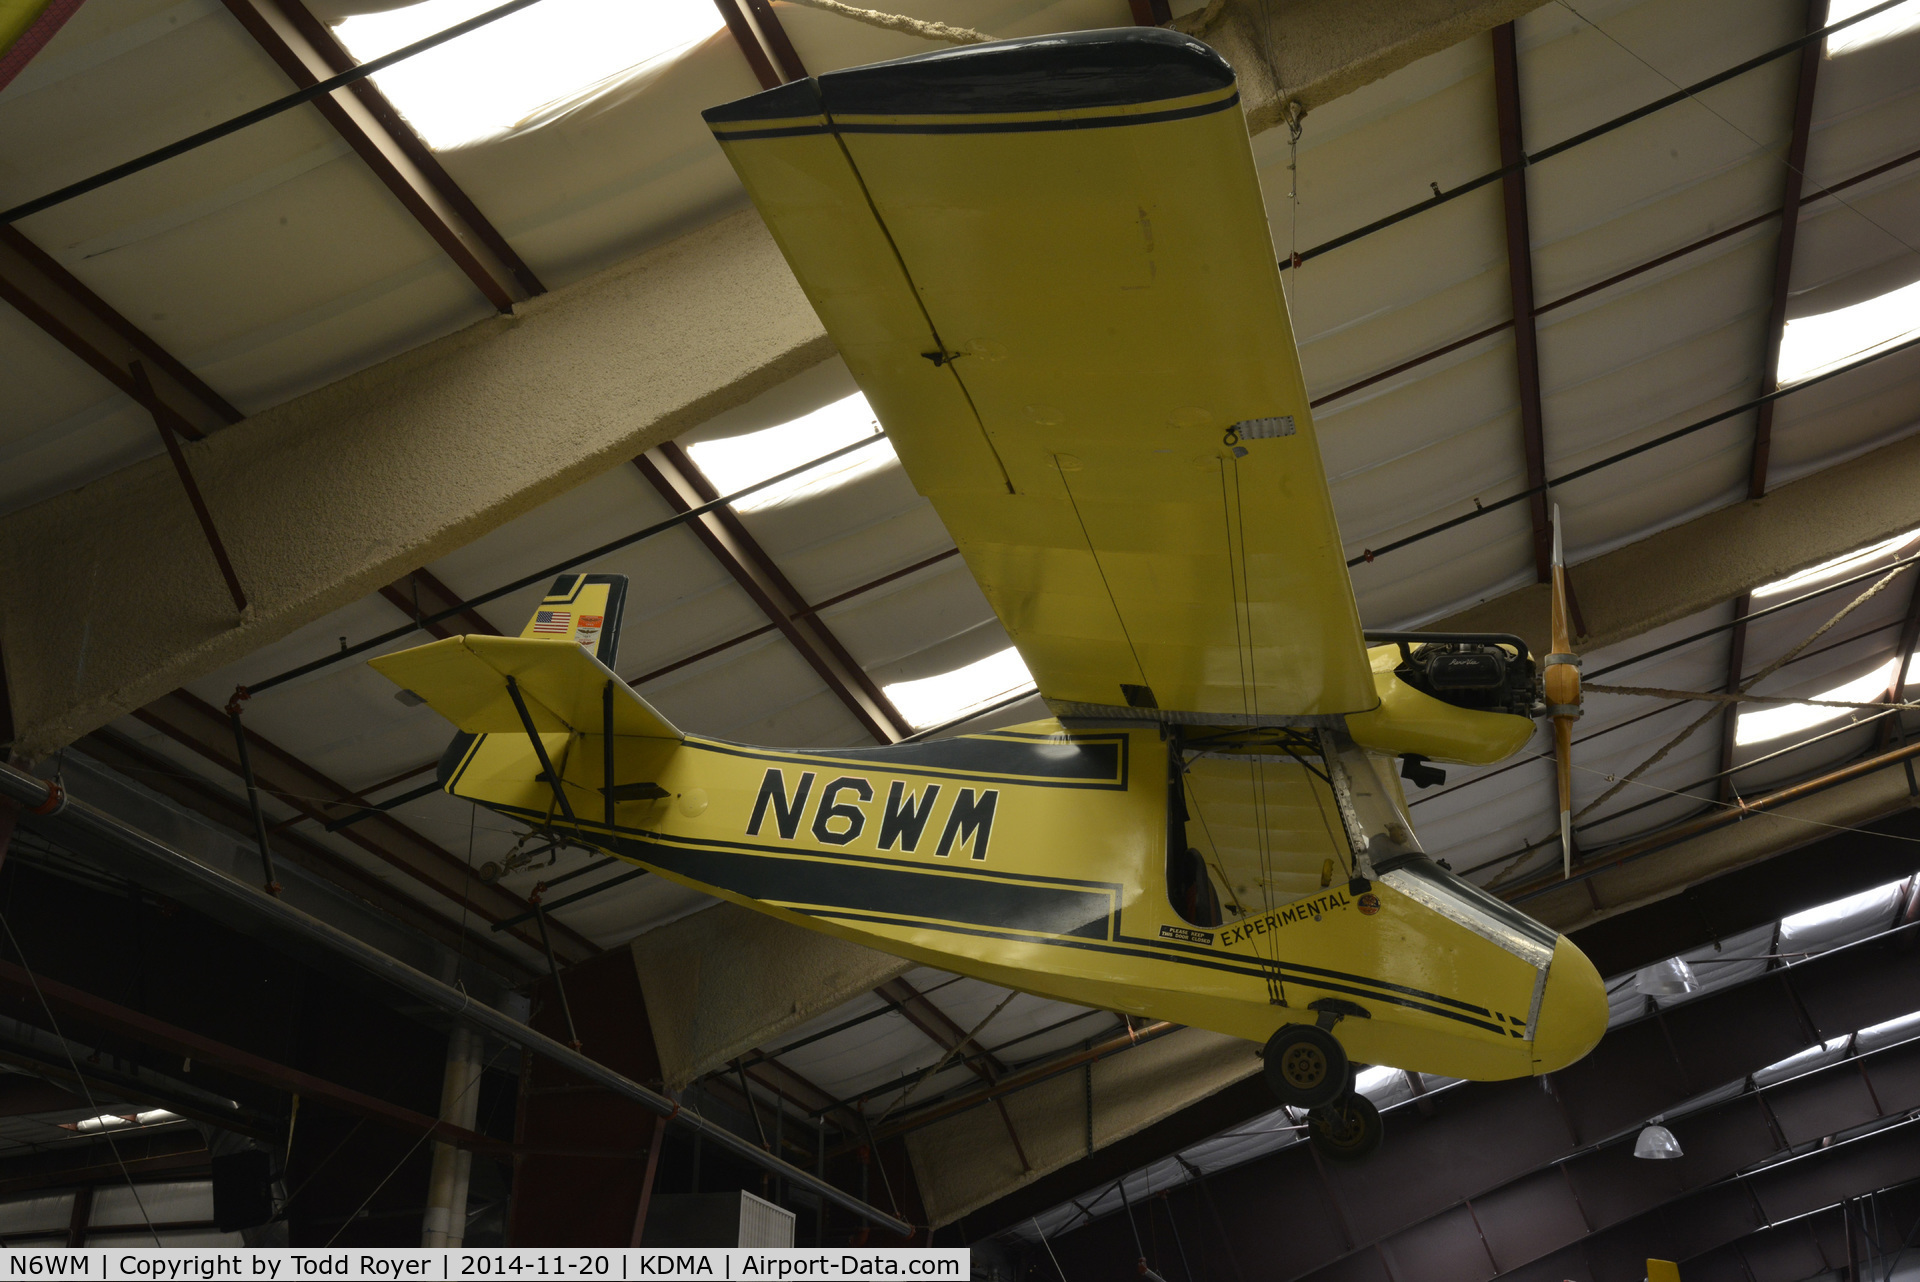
x,y
1745,685
1764,149
1041,1234
425,1135
86,1090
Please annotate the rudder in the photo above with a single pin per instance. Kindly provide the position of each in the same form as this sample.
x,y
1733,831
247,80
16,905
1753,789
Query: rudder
x,y
585,608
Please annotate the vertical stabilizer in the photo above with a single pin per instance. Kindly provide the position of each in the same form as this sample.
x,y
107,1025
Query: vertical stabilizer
x,y
584,608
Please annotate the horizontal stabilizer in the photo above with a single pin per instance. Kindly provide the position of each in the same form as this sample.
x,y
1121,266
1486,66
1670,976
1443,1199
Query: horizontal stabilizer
x,y
464,679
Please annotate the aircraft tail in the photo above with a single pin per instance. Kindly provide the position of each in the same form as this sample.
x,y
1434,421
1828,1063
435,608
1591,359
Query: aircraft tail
x,y
585,608
472,681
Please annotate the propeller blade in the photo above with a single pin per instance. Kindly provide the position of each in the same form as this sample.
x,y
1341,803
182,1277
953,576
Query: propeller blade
x,y
1562,624
1563,768
1561,686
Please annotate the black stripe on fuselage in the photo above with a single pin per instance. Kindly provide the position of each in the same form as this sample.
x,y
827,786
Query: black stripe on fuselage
x,y
1098,763
867,887
1288,972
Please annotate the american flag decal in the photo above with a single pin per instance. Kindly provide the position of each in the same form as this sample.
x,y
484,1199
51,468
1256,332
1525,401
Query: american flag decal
x,y
559,622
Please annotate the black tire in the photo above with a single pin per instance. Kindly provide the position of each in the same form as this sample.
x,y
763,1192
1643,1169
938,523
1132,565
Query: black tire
x,y
1347,1130
1306,1066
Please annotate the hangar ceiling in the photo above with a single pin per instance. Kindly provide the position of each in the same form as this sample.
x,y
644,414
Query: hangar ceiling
x,y
358,268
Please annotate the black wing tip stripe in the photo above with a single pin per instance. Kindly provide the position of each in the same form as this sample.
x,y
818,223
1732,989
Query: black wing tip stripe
x,y
1072,71
1044,126
795,98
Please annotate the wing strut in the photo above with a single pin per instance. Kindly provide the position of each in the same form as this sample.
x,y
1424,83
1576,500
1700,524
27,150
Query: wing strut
x,y
540,751
606,749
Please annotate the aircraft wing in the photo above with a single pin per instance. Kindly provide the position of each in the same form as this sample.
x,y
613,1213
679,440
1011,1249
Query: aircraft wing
x,y
1046,262
464,679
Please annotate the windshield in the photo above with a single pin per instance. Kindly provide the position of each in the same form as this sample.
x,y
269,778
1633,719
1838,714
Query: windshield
x,y
1465,904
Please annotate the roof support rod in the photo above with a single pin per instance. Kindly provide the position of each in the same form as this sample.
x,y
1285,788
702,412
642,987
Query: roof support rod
x,y
1796,165
684,486
143,392
1609,282
307,52
96,825
1526,347
1812,38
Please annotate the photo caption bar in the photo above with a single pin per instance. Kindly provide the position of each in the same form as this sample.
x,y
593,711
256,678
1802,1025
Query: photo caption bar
x,y
398,1264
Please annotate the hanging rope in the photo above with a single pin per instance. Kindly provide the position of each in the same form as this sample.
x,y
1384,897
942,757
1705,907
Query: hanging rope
x,y
1706,696
952,1050
900,22
1745,686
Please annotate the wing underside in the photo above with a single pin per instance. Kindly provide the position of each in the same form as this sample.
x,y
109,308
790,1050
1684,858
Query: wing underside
x,y
1047,264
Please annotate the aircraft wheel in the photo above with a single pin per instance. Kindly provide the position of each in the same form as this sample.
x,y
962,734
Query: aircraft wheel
x,y
1306,1066
1347,1129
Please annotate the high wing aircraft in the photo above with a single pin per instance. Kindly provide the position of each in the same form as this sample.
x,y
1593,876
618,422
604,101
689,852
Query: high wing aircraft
x,y
1047,264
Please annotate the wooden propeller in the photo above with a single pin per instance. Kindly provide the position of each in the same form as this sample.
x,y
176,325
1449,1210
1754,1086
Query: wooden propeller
x,y
1562,688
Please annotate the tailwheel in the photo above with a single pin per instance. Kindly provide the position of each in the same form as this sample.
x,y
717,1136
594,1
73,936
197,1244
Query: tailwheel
x,y
1306,1066
1346,1130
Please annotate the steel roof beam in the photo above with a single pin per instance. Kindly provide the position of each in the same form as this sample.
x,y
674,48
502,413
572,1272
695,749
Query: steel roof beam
x,y
302,46
1519,242
81,321
1776,328
681,483
1796,164
747,40
776,39
197,725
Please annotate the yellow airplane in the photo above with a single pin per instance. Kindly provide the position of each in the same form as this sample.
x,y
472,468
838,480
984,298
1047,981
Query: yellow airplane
x,y
1047,264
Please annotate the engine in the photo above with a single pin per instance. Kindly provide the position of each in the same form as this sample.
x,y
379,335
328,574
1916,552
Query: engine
x,y
1481,675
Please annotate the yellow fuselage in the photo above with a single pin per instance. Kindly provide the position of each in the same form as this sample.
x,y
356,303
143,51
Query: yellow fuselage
x,y
1035,857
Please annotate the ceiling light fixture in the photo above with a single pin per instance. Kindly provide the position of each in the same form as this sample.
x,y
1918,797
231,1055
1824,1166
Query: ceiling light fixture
x,y
1656,1143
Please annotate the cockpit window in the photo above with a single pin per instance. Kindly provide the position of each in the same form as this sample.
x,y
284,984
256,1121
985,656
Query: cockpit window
x,y
1465,904
1253,832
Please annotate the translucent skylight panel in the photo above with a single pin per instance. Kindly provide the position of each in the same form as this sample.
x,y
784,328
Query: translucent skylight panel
x,y
1838,568
1815,344
1898,20
933,701
1768,723
734,462
487,82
